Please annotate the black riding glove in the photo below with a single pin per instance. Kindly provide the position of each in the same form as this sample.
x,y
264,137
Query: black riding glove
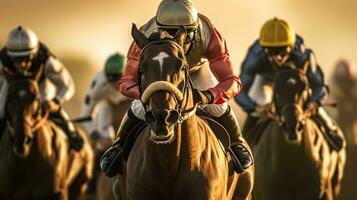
x,y
202,97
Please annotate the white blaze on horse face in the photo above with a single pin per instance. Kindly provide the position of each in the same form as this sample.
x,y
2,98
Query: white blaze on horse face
x,y
291,81
160,58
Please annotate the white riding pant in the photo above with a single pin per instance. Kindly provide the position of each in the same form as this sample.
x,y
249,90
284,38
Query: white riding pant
x,y
202,80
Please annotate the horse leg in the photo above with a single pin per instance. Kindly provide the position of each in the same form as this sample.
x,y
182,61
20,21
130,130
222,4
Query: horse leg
x,y
78,186
104,188
245,184
119,187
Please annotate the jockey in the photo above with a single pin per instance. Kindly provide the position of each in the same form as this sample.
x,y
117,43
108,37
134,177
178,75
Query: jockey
x,y
277,47
203,43
25,57
103,93
344,77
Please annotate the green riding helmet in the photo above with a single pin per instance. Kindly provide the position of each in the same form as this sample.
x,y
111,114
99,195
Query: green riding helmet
x,y
114,66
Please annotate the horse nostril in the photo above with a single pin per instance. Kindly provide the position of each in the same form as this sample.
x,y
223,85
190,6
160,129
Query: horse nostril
x,y
149,117
159,116
173,117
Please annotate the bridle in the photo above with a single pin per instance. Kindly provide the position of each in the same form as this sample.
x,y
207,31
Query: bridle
x,y
303,113
180,107
40,120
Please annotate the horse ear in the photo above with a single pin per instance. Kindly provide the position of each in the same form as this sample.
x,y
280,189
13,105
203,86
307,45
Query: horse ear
x,y
180,35
139,37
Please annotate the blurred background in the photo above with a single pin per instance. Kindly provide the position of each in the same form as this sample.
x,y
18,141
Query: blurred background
x,y
82,33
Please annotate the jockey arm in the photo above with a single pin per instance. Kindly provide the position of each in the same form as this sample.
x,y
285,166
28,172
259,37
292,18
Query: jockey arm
x,y
128,82
316,79
56,72
249,68
218,57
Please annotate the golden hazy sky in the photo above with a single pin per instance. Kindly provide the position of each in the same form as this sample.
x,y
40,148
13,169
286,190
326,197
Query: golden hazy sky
x,y
94,28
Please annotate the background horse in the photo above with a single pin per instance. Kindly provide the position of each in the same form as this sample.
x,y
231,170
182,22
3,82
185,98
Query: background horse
x,y
293,159
177,156
36,162
344,92
104,186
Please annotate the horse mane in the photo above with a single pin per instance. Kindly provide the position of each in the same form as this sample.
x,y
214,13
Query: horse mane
x,y
160,35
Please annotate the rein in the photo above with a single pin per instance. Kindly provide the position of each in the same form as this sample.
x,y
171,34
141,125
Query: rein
x,y
39,123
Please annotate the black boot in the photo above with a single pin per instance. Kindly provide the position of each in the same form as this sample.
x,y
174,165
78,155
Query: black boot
x,y
62,119
242,158
112,159
334,136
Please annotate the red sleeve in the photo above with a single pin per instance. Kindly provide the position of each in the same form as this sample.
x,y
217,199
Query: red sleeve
x,y
129,77
218,57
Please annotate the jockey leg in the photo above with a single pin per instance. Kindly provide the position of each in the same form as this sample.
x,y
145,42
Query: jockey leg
x,y
62,118
223,113
334,135
111,160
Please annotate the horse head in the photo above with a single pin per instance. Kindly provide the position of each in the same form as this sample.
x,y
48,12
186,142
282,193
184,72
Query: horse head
x,y
22,113
163,81
291,95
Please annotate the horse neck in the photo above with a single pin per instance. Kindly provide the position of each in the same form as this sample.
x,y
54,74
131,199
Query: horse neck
x,y
290,154
183,152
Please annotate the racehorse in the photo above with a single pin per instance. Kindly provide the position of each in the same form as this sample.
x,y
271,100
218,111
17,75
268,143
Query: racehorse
x,y
177,156
36,161
293,159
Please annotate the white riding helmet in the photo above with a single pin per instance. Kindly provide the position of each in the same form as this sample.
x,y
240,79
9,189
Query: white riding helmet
x,y
172,14
22,42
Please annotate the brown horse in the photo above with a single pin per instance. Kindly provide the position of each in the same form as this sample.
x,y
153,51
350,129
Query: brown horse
x,y
293,159
36,162
177,156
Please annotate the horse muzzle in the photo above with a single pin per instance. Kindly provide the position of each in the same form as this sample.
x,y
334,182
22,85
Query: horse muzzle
x,y
161,123
22,149
293,133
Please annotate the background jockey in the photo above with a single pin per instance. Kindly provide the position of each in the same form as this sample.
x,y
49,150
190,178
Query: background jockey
x,y
24,57
102,102
203,43
279,46
103,94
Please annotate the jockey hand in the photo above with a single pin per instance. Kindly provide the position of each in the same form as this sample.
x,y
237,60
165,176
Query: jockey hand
x,y
312,107
202,97
50,105
94,135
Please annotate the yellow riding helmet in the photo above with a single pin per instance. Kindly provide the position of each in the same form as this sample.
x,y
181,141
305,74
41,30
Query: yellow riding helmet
x,y
22,41
176,13
277,33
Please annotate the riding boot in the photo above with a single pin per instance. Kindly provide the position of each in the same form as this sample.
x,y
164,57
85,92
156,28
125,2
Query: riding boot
x,y
242,158
111,160
62,118
334,135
